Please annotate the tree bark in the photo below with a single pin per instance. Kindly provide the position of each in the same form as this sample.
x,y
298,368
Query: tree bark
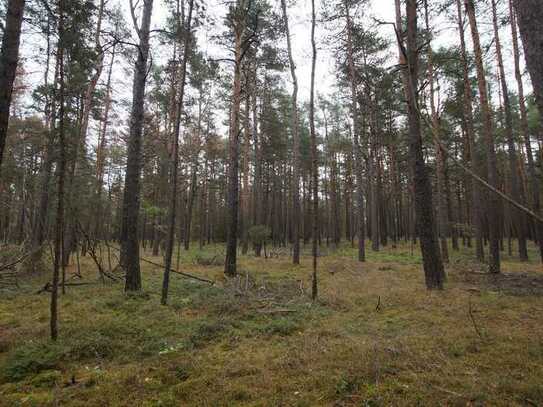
x,y
358,160
433,266
129,258
530,18
492,171
517,190
59,226
525,133
174,165
314,158
9,57
470,135
295,146
442,212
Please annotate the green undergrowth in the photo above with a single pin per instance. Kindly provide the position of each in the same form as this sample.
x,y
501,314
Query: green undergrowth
x,y
375,336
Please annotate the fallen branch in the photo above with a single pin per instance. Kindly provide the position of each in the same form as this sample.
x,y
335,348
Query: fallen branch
x,y
276,311
477,178
441,146
15,262
187,275
470,311
48,285
449,391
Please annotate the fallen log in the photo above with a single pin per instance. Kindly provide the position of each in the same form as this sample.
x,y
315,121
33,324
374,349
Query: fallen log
x,y
48,285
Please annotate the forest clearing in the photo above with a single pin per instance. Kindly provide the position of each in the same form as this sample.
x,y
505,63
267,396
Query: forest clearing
x,y
375,337
271,202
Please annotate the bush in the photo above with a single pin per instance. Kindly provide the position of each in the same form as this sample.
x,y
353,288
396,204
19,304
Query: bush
x,y
92,345
280,326
259,234
31,358
207,331
47,379
208,259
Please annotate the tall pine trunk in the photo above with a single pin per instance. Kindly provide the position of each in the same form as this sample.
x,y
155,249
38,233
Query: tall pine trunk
x,y
314,158
358,164
295,146
488,131
61,171
476,213
517,189
9,57
529,19
174,165
433,266
442,210
130,253
232,196
524,130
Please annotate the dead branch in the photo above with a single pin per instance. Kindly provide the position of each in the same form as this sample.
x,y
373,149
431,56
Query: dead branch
x,y
472,174
276,311
470,311
187,275
47,287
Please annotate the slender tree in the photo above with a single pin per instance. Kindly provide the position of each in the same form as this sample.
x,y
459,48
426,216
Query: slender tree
x,y
130,258
442,213
238,18
314,157
295,146
492,171
470,135
174,165
61,172
358,159
517,189
433,266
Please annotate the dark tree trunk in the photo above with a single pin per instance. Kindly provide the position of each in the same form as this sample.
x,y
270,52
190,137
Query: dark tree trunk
x,y
534,182
477,215
296,147
9,57
493,203
174,166
433,266
441,158
230,268
361,222
130,258
518,218
530,17
190,206
59,227
314,158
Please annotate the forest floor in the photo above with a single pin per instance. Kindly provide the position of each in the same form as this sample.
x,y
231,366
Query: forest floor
x,y
375,337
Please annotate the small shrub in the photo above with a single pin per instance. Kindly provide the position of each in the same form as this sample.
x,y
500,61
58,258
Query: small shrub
x,y
92,345
346,386
207,331
182,373
208,259
259,234
29,359
280,326
47,379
